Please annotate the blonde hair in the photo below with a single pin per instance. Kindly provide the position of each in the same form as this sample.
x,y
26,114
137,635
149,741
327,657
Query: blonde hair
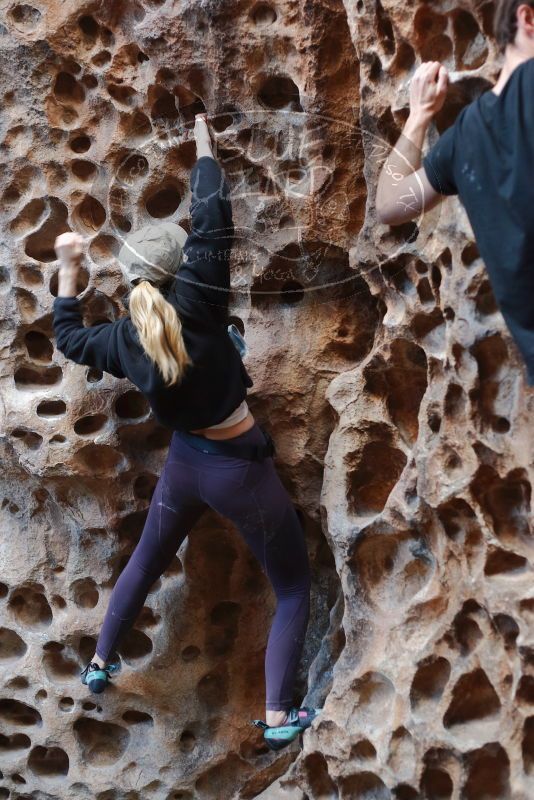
x,y
160,331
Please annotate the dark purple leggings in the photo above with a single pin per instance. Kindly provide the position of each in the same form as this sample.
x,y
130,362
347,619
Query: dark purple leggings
x,y
251,495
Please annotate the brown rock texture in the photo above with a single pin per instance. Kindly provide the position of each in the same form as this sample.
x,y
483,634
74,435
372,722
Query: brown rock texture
x,y
381,367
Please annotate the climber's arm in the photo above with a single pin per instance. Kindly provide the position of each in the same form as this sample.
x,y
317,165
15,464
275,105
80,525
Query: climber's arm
x,y
404,190
96,346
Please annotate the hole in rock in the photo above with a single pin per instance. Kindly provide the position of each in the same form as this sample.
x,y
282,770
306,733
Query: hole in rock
x,y
224,620
94,375
187,741
16,713
67,89
84,170
263,14
29,217
131,526
85,592
372,475
318,778
39,346
29,274
58,665
144,486
429,680
40,244
457,517
391,567
48,761
25,17
11,644
212,689
430,36
125,95
163,201
402,382
90,424
164,108
17,741
131,405
89,26
508,629
132,168
365,785
384,29
525,690
135,645
364,749
473,698
90,214
102,743
501,562
470,254
147,618
506,501
20,682
425,324
527,745
102,249
470,45
491,355
80,144
134,717
31,439
98,459
30,607
436,784
406,792
135,126
101,59
190,653
66,704
466,631
488,773
90,81
279,91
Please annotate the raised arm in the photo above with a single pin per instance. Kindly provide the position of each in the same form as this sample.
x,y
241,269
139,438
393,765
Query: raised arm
x,y
97,346
404,190
211,210
205,272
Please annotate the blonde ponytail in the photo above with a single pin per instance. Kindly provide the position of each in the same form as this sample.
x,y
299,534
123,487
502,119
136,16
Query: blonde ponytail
x,y
160,331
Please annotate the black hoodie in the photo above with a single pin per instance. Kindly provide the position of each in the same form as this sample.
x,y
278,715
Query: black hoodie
x,y
216,382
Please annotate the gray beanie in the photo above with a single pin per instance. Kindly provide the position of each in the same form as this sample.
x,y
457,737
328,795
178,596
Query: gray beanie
x,y
153,253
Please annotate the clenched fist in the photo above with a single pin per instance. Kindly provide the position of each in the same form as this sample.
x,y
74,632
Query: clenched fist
x,y
68,247
428,89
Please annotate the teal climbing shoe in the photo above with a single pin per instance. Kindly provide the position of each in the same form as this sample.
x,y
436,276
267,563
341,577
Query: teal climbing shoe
x,y
96,677
298,719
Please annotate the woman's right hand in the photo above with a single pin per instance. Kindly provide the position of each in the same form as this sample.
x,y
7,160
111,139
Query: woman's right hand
x,y
202,135
428,90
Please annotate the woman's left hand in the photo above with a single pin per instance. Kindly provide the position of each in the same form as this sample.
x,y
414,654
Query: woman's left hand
x,y
68,247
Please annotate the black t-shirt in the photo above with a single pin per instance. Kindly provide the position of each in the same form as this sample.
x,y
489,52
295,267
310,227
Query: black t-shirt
x,y
217,381
487,158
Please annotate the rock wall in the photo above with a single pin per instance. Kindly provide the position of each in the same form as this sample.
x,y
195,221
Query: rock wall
x,y
381,367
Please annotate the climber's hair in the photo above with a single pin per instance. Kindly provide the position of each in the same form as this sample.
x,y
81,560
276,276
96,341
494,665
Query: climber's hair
x,y
505,20
160,331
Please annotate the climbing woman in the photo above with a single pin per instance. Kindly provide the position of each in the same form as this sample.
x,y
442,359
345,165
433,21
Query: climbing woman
x,y
175,347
